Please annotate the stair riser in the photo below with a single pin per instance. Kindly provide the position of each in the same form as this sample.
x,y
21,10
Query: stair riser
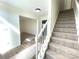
x,y
66,19
65,30
65,22
49,57
65,25
64,16
67,54
66,43
67,36
66,13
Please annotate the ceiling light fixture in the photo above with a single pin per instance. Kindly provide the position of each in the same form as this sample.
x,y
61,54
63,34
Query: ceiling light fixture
x,y
37,9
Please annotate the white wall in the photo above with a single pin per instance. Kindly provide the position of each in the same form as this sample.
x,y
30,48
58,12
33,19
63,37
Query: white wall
x,y
10,18
61,5
76,11
28,25
39,25
53,14
65,4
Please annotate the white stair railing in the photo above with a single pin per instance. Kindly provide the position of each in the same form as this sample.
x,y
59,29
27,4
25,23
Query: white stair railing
x,y
39,39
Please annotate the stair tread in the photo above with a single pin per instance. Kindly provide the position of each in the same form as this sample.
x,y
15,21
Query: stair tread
x,y
69,51
67,22
65,25
63,16
65,33
66,19
67,40
65,30
70,36
55,55
70,20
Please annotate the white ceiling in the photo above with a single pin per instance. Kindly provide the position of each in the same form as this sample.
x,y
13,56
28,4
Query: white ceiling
x,y
29,6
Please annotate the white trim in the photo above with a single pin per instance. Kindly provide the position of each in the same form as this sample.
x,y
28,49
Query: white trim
x,y
76,10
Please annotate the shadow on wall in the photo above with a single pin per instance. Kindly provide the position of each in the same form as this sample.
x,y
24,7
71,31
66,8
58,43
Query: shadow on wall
x,y
78,1
5,35
10,25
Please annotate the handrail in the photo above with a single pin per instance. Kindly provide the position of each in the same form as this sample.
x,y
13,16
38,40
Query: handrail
x,y
42,29
37,37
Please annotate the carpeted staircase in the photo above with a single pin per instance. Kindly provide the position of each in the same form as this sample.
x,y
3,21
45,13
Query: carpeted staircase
x,y
64,41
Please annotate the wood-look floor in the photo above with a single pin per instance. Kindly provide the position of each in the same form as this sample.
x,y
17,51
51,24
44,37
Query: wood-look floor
x,y
13,53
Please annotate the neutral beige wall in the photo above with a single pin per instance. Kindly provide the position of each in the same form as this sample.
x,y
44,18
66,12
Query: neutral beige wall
x,y
65,4
61,5
28,25
73,3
